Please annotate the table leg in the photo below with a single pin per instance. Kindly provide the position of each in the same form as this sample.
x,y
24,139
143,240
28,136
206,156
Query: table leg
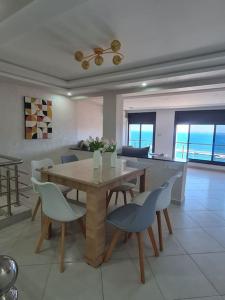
x,y
142,187
144,181
95,227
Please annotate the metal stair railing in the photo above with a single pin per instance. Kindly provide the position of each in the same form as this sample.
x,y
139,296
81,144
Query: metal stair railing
x,y
9,177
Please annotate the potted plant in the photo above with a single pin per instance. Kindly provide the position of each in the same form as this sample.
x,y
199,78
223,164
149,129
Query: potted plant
x,y
110,148
96,145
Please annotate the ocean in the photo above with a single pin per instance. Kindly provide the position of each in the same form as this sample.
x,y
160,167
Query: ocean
x,y
200,144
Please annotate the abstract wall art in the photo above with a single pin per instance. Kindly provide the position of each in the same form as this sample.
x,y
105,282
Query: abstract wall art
x,y
38,118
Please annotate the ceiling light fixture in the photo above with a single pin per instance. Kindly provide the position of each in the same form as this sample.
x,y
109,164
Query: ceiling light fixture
x,y
97,56
69,94
144,84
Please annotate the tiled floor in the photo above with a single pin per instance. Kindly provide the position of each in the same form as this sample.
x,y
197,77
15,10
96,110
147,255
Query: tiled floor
x,y
192,266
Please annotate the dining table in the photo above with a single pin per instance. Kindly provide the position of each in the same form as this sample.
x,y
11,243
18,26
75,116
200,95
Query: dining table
x,y
96,182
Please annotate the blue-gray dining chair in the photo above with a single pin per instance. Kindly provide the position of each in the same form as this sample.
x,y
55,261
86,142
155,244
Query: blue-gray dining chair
x,y
163,204
134,218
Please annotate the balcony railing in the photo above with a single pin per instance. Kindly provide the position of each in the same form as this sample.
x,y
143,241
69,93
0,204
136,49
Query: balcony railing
x,y
186,150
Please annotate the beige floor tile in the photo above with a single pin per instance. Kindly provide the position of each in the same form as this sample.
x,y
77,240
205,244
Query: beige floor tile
x,y
121,281
178,278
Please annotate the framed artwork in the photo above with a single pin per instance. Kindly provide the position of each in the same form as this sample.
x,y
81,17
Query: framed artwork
x,y
38,118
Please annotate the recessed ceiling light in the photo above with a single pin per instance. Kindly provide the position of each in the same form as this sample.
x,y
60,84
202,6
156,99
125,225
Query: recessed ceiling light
x,y
144,84
69,94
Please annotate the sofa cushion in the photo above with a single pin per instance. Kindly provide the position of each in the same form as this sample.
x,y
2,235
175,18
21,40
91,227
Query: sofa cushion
x,y
135,152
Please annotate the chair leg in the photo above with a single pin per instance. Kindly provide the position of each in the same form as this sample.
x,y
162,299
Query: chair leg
x,y
77,195
112,245
82,226
62,241
125,198
166,214
141,255
38,203
152,239
131,194
116,200
158,214
46,224
108,199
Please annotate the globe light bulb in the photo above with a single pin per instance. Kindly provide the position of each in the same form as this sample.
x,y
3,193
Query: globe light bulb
x,y
85,64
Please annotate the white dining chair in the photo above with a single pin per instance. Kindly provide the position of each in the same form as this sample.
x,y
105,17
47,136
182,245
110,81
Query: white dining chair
x,y
56,209
162,206
36,166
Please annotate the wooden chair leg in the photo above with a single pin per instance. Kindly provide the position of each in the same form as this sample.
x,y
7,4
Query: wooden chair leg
x,y
82,226
141,255
108,199
62,241
112,245
152,239
158,214
48,231
38,203
46,223
166,214
125,198
131,194
116,200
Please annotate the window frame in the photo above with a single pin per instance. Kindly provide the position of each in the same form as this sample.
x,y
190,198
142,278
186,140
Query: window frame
x,y
153,137
209,162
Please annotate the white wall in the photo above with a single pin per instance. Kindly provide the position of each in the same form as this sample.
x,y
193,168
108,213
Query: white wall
x,y
164,132
89,117
12,140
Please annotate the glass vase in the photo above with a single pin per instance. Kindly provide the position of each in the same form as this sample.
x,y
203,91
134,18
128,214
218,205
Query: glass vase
x,y
113,159
97,159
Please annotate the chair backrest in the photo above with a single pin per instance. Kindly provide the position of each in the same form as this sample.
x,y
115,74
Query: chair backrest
x,y
36,165
146,213
68,158
166,195
54,205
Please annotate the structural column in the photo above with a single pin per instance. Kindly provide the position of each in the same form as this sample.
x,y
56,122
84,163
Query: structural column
x,y
113,117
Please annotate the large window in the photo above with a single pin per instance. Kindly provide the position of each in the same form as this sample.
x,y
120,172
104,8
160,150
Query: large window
x,y
141,130
200,142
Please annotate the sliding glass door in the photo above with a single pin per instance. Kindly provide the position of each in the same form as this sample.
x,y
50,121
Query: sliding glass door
x,y
219,144
200,142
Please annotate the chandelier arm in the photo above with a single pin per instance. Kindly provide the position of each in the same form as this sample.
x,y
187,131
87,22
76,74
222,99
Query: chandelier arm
x,y
88,56
104,50
93,56
116,53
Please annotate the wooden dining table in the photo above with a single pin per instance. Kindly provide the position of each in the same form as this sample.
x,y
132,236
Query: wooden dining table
x,y
81,175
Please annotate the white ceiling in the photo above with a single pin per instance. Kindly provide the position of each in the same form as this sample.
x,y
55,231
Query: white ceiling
x,y
10,7
176,100
43,35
